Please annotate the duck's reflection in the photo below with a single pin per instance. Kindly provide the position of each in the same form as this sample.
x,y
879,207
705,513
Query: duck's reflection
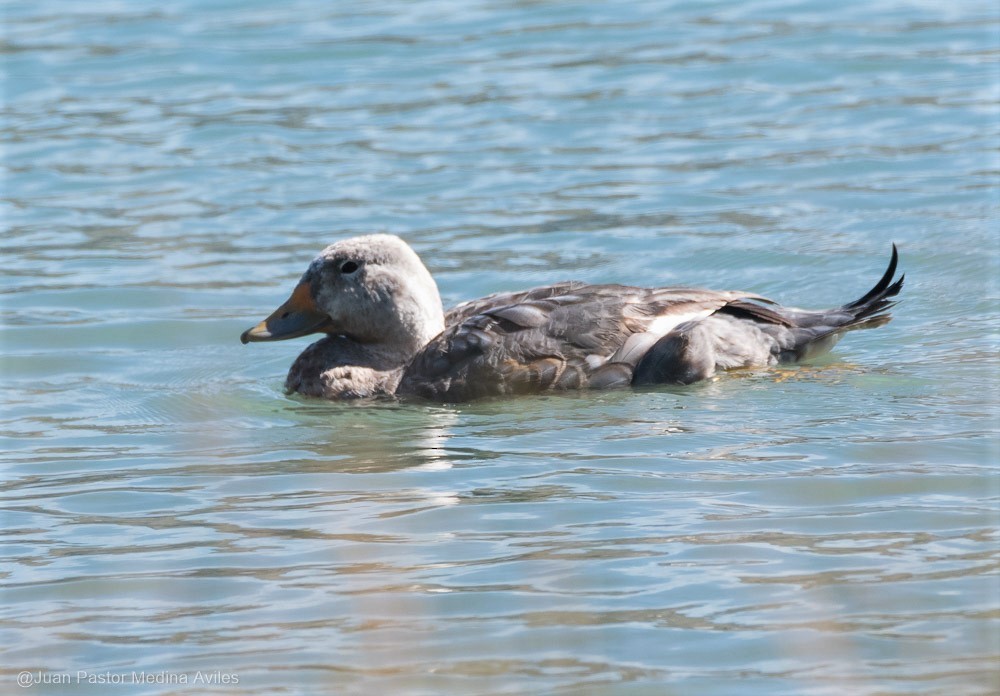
x,y
382,437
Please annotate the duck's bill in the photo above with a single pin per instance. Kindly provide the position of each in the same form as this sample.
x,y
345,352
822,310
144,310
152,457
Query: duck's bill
x,y
297,317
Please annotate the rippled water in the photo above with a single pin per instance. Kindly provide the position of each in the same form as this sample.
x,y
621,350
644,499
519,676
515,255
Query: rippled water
x,y
170,169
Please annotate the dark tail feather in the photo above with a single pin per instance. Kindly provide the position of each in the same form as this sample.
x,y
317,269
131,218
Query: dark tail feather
x,y
871,310
814,333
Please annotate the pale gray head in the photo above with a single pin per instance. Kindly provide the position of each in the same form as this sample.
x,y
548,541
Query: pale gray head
x,y
373,289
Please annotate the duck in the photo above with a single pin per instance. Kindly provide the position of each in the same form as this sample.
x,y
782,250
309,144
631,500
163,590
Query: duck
x,y
386,334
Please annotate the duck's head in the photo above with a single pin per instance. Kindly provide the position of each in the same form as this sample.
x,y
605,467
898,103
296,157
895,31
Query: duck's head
x,y
372,289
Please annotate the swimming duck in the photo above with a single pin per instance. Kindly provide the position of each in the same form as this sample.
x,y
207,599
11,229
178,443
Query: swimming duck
x,y
387,334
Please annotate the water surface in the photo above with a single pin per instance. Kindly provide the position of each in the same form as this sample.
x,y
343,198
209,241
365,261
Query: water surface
x,y
169,171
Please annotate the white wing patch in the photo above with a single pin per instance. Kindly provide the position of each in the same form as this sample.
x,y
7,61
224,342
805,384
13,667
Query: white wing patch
x,y
637,344
665,323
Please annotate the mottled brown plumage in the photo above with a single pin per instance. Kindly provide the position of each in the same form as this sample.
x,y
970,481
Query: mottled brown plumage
x,y
387,334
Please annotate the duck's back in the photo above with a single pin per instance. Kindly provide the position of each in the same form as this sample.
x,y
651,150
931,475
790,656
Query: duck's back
x,y
565,336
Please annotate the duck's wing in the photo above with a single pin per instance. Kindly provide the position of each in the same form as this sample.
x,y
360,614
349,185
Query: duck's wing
x,y
470,308
566,336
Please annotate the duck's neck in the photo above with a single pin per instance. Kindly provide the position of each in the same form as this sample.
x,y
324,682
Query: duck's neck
x,y
340,367
415,319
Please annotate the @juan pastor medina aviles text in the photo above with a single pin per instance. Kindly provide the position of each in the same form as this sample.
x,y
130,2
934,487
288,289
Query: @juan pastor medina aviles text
x,y
209,678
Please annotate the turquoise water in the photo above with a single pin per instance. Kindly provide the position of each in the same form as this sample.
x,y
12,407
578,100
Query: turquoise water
x,y
171,168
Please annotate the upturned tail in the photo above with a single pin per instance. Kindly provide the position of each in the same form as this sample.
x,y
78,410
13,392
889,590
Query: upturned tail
x,y
814,333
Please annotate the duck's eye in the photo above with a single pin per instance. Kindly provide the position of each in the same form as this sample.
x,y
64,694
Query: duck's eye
x,y
348,267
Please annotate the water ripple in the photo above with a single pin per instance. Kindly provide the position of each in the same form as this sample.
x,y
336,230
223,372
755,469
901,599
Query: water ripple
x,y
168,173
